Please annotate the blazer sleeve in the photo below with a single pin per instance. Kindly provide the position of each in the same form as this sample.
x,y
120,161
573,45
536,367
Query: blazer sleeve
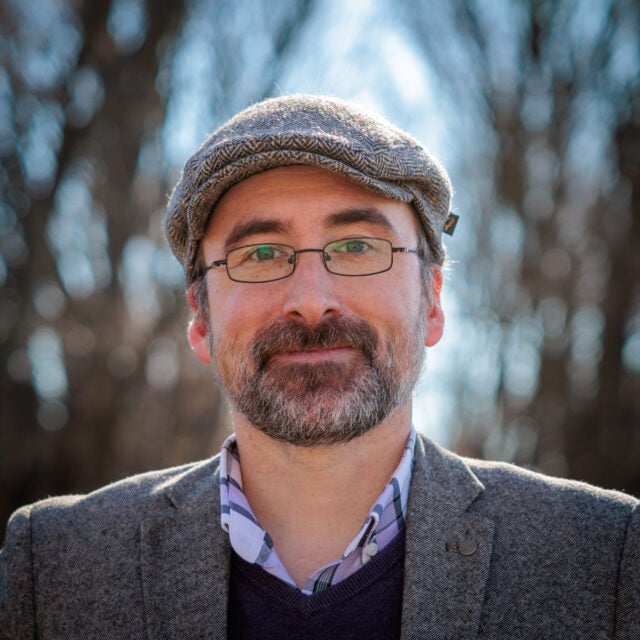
x,y
628,606
17,611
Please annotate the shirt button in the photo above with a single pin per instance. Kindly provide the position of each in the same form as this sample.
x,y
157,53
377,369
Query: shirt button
x,y
371,549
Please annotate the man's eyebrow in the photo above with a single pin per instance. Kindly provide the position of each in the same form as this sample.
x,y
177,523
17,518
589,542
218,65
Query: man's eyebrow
x,y
359,214
353,215
253,227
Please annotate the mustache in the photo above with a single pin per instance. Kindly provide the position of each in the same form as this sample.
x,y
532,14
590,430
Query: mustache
x,y
290,335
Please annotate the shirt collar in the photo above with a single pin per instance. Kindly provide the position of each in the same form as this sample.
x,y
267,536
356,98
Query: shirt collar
x,y
385,521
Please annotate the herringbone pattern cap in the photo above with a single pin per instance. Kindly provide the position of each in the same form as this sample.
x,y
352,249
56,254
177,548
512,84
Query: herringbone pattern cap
x,y
306,130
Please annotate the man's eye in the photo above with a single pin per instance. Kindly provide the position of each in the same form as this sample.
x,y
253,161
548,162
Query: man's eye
x,y
350,246
264,253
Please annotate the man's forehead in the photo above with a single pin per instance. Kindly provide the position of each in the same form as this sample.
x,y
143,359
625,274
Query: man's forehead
x,y
294,181
288,198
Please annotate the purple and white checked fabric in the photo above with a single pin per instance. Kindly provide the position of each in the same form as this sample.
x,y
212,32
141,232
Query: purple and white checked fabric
x,y
252,543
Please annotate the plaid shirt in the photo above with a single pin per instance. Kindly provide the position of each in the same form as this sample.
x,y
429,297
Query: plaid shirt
x,y
384,522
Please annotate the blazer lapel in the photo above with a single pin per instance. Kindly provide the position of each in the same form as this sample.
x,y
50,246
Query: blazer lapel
x,y
448,548
185,561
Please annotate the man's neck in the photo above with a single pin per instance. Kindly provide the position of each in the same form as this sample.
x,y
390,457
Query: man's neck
x,y
313,500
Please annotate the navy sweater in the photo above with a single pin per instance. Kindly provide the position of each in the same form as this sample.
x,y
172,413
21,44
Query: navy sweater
x,y
366,605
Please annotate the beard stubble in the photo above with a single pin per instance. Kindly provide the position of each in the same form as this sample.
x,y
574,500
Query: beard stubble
x,y
325,403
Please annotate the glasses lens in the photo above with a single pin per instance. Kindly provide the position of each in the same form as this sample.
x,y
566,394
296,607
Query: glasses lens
x,y
358,256
260,262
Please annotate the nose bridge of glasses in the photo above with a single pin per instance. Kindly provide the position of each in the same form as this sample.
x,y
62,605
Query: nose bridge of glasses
x,y
294,256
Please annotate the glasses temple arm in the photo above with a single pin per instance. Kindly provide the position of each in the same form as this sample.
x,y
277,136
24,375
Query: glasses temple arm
x,y
215,263
403,250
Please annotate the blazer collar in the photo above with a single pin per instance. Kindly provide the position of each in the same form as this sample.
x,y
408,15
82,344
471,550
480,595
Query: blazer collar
x,y
185,559
448,548
185,554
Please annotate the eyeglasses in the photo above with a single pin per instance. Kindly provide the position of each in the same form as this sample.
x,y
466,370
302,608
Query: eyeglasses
x,y
268,261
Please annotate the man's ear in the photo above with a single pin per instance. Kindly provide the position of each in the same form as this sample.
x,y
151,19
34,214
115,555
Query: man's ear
x,y
435,314
198,331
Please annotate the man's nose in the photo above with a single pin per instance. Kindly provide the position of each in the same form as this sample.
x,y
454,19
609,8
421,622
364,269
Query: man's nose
x,y
311,290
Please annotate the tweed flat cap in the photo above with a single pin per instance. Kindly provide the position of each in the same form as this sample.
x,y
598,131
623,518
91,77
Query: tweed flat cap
x,y
325,132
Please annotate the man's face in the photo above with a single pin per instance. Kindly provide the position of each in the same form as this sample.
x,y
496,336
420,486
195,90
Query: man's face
x,y
315,358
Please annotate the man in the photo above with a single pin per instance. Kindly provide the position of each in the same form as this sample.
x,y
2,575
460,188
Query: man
x,y
310,233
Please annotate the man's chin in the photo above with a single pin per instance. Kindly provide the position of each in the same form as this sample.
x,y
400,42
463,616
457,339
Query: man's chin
x,y
321,404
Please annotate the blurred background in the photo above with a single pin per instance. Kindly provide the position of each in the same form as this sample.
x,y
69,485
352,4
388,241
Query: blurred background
x,y
534,108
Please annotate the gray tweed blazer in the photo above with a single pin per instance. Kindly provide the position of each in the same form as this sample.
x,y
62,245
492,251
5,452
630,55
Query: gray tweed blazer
x,y
492,551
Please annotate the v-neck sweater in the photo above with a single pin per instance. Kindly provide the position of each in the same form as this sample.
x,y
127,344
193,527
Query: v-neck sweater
x,y
367,605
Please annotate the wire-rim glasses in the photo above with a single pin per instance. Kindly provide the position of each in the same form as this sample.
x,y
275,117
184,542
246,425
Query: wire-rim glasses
x,y
270,261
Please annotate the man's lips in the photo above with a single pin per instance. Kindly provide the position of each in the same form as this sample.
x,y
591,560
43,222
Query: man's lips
x,y
337,341
312,354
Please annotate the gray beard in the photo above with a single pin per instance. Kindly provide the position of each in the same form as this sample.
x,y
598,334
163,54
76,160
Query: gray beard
x,y
321,404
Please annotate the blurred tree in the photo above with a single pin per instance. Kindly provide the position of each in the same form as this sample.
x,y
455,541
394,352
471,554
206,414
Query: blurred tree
x,y
556,258
80,99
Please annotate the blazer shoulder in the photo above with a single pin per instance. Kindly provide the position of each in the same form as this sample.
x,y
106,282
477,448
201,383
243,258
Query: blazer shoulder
x,y
81,554
514,479
511,492
125,501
